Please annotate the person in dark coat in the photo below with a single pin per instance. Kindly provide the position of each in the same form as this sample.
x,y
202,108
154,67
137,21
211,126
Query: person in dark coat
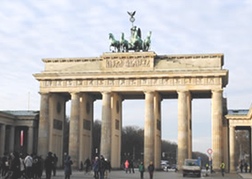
x,y
87,165
102,167
48,164
68,167
55,161
151,170
38,167
15,166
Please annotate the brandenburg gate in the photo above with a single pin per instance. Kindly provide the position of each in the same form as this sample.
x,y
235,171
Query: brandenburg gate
x,y
115,77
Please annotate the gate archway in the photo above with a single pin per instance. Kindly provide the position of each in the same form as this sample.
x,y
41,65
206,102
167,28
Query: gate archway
x,y
113,77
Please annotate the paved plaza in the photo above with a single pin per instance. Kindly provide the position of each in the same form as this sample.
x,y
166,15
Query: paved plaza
x,y
120,174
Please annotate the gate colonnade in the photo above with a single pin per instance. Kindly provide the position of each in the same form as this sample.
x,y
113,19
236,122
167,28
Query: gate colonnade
x,y
114,77
18,131
239,120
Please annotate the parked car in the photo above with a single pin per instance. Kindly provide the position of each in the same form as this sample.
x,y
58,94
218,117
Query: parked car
x,y
165,165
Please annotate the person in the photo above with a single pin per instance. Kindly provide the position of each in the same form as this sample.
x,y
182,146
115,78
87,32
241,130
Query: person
x,y
222,166
141,170
102,167
68,167
5,164
96,167
207,167
87,165
22,166
131,166
48,165
64,158
126,166
15,166
151,169
38,167
28,161
107,168
246,167
241,167
55,161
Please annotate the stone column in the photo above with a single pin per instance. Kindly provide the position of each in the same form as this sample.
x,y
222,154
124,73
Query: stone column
x,y
182,128
74,129
189,116
250,140
106,126
232,148
116,131
30,140
149,128
157,130
12,139
43,134
217,128
2,139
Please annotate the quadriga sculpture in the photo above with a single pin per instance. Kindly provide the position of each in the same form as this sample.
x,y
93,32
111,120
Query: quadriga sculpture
x,y
147,42
114,43
124,44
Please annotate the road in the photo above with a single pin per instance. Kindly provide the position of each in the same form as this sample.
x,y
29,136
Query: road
x,y
157,175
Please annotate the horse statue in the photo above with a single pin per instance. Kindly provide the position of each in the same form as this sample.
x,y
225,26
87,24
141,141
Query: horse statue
x,y
124,44
147,42
114,43
136,42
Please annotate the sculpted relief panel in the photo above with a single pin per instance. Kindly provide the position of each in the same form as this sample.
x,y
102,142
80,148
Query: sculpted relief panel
x,y
128,63
127,82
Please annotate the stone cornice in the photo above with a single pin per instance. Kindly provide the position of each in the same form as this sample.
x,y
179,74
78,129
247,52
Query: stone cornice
x,y
191,56
67,60
159,73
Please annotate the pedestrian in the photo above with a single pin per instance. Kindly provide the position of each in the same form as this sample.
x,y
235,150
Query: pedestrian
x,y
68,167
28,161
96,167
107,168
131,166
246,167
15,166
5,164
38,167
151,169
207,167
222,166
141,170
48,165
22,167
87,165
126,166
241,167
55,161
102,167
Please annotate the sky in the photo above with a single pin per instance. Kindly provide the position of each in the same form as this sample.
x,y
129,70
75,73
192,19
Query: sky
x,y
32,30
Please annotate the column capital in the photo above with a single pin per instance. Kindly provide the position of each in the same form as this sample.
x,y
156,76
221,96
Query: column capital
x,y
217,90
44,93
74,92
106,92
183,91
149,92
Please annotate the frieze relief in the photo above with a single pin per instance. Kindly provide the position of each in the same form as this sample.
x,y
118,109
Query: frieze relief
x,y
165,81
